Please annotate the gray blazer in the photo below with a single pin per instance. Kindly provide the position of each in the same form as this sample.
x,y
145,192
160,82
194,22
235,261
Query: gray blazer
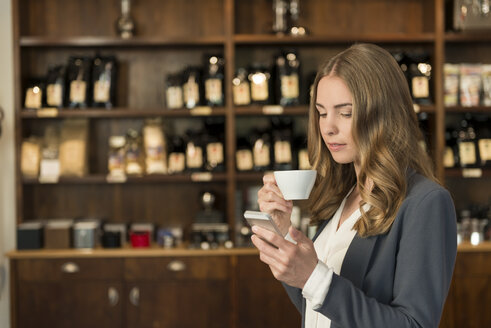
x,y
401,278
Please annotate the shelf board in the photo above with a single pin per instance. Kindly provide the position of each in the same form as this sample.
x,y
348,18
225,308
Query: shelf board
x,y
271,110
470,173
154,251
250,176
120,113
425,108
476,36
462,109
97,41
154,178
334,39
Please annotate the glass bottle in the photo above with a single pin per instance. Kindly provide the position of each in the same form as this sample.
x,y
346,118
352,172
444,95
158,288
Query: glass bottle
x,y
192,87
55,87
483,133
243,155
451,152
280,16
241,89
261,84
116,156
468,152
261,150
282,143
419,71
215,159
177,155
173,91
125,25
287,78
194,152
78,81
134,153
104,72
213,80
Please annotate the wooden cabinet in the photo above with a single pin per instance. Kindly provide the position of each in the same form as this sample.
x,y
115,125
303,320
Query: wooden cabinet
x,y
262,300
68,293
130,292
470,293
178,292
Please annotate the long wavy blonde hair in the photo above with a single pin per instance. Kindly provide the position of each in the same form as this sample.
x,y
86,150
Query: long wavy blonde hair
x,y
386,132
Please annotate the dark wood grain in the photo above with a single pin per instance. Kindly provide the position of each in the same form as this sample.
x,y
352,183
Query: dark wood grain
x,y
262,302
323,17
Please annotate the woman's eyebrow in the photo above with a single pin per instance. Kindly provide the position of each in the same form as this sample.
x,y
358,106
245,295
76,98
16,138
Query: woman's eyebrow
x,y
342,105
319,105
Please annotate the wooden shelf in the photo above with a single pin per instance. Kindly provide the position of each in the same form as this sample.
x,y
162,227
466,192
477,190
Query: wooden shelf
x,y
155,178
105,42
120,113
478,36
266,39
154,251
271,110
470,173
468,247
474,109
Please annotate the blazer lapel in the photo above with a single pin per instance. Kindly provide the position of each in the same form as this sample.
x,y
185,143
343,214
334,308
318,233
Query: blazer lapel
x,y
355,262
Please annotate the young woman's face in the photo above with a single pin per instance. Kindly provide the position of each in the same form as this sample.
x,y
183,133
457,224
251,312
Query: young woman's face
x,y
335,105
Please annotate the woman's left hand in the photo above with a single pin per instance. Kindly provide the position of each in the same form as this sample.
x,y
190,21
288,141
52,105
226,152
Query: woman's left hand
x,y
290,263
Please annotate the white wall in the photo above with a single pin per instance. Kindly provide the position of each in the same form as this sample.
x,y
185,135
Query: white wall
x,y
7,159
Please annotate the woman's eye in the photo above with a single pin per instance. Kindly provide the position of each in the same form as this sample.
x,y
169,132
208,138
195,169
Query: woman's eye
x,y
346,114
322,114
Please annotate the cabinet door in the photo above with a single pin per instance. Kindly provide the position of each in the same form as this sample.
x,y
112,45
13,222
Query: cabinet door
x,y
472,292
178,292
262,301
61,293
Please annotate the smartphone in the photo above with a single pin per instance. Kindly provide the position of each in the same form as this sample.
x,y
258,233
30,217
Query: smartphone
x,y
263,220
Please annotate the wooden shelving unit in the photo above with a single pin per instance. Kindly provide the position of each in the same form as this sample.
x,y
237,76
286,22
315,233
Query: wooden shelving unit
x,y
170,35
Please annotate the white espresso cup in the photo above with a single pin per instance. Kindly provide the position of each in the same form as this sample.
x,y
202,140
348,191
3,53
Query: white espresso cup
x,y
295,184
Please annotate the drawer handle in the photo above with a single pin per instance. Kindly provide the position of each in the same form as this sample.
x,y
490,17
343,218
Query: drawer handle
x,y
135,296
70,267
176,266
112,296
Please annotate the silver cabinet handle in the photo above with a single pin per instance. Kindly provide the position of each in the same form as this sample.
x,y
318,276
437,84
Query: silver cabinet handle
x,y
112,296
135,296
70,267
176,266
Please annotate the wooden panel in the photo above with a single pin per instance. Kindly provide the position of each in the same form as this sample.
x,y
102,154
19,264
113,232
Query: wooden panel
x,y
323,17
176,304
262,300
472,299
74,304
43,270
153,202
94,17
181,268
473,264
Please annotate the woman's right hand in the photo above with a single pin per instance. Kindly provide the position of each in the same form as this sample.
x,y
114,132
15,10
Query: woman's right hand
x,y
271,201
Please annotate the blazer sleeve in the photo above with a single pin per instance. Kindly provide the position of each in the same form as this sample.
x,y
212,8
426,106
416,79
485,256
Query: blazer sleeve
x,y
295,295
425,259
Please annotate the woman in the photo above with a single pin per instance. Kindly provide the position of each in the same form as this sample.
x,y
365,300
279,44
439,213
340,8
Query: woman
x,y
385,246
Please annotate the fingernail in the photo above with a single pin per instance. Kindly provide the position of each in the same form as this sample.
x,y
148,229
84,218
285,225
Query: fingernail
x,y
254,229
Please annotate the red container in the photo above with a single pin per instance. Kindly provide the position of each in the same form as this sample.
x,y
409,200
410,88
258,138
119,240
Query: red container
x,y
140,239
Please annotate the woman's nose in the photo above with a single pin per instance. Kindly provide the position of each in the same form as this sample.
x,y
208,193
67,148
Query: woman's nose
x,y
328,126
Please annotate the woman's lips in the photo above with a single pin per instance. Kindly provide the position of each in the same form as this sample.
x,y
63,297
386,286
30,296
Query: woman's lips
x,y
335,146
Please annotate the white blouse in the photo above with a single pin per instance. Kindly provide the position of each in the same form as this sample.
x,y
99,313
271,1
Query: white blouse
x,y
331,247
